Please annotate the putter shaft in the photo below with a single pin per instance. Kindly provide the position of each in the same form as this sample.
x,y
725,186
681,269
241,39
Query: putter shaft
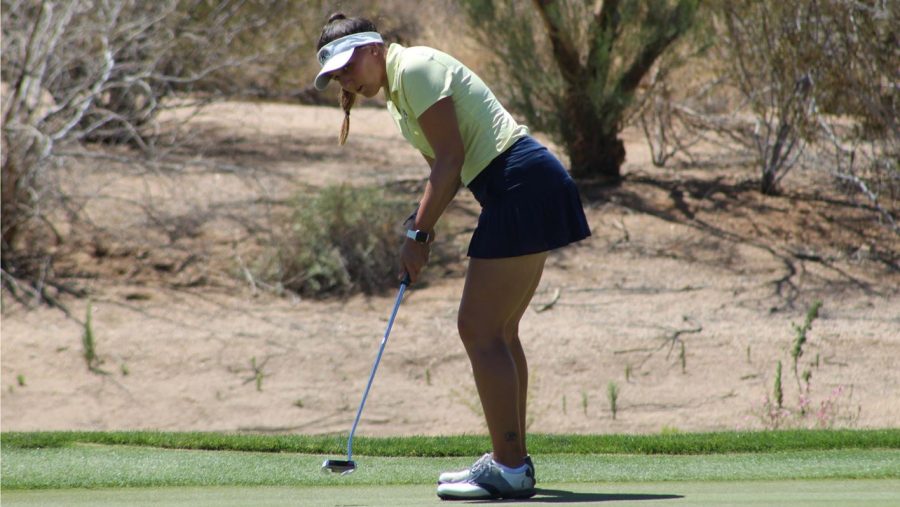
x,y
387,332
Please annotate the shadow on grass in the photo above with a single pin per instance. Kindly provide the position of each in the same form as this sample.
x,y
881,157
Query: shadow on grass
x,y
562,496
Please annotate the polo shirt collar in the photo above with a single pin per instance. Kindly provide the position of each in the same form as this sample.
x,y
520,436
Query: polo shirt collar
x,y
392,64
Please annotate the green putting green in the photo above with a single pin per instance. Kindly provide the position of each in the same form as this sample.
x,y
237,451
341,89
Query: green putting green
x,y
93,466
868,493
772,468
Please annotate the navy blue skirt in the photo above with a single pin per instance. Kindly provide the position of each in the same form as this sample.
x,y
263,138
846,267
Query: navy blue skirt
x,y
529,204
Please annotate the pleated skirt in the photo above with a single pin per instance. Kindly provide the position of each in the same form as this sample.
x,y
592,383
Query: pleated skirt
x,y
529,204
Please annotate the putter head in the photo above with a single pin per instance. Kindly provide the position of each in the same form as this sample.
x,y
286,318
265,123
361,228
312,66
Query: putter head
x,y
339,466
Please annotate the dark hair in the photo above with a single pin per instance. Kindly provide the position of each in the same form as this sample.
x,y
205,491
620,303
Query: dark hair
x,y
337,26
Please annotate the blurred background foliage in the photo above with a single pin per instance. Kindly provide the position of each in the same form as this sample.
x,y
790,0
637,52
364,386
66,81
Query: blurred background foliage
x,y
777,84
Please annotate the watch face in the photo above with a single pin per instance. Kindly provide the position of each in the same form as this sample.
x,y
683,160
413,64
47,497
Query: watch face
x,y
417,236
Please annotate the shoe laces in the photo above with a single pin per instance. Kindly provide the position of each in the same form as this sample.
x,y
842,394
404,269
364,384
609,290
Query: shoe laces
x,y
481,464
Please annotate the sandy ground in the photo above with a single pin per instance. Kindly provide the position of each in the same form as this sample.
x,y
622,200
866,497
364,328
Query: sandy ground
x,y
685,297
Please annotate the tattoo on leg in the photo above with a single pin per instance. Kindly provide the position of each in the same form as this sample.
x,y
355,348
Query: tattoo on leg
x,y
511,436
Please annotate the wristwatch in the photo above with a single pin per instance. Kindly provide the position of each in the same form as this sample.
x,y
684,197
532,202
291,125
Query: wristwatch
x,y
418,236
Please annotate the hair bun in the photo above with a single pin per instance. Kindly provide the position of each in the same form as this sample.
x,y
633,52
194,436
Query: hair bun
x,y
336,16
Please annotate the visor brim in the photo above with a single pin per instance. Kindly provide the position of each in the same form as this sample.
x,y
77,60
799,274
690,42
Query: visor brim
x,y
334,63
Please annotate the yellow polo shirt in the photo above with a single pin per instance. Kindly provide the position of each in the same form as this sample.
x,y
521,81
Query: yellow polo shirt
x,y
420,76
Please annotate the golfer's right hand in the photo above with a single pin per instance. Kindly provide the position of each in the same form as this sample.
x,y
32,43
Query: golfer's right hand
x,y
413,257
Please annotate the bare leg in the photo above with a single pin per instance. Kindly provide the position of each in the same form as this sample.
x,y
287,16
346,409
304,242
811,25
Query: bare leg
x,y
515,346
494,296
518,353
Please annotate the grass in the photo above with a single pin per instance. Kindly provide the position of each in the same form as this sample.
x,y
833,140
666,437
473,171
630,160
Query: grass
x,y
810,493
471,445
120,466
154,459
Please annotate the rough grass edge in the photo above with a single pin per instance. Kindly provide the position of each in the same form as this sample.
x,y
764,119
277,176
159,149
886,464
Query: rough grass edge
x,y
468,445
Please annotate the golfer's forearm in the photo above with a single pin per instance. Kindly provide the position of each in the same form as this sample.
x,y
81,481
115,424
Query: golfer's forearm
x,y
439,191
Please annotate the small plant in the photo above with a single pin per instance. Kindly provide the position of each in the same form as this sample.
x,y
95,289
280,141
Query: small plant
x,y
564,405
89,344
683,359
775,414
87,339
804,393
628,373
779,392
20,379
584,402
800,339
669,430
612,393
830,410
125,370
257,373
298,403
834,409
772,416
427,376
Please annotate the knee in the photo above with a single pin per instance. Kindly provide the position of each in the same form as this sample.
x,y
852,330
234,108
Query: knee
x,y
468,328
511,332
475,334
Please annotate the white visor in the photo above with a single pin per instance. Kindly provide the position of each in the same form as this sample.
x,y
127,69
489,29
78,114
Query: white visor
x,y
337,53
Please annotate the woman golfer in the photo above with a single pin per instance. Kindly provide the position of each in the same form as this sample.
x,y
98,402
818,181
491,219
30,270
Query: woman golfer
x,y
529,204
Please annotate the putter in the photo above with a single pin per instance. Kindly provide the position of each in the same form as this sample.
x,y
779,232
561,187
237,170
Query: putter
x,y
347,466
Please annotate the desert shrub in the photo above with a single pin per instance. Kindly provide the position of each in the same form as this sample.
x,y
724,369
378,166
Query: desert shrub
x,y
794,62
573,69
769,79
343,239
84,71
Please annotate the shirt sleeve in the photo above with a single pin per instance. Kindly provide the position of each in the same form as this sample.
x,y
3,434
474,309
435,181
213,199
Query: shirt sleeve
x,y
425,81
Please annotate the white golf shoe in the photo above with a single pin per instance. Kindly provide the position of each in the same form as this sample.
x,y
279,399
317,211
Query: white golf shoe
x,y
487,480
464,475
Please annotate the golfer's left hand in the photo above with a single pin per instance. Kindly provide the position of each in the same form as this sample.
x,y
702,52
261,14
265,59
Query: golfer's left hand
x,y
413,257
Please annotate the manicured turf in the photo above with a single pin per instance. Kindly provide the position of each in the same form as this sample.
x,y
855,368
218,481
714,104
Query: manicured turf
x,y
95,466
197,469
832,493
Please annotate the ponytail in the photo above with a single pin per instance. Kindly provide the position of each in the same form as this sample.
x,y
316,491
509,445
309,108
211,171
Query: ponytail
x,y
337,26
347,101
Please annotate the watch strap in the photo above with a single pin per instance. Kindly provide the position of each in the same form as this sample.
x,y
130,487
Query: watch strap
x,y
418,236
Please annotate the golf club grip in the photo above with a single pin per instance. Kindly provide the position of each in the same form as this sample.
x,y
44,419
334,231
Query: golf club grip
x,y
406,279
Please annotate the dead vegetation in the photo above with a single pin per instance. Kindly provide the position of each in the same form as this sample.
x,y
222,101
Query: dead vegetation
x,y
108,172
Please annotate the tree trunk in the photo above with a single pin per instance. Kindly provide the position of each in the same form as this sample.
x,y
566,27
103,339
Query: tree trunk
x,y
591,140
9,207
768,185
597,156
